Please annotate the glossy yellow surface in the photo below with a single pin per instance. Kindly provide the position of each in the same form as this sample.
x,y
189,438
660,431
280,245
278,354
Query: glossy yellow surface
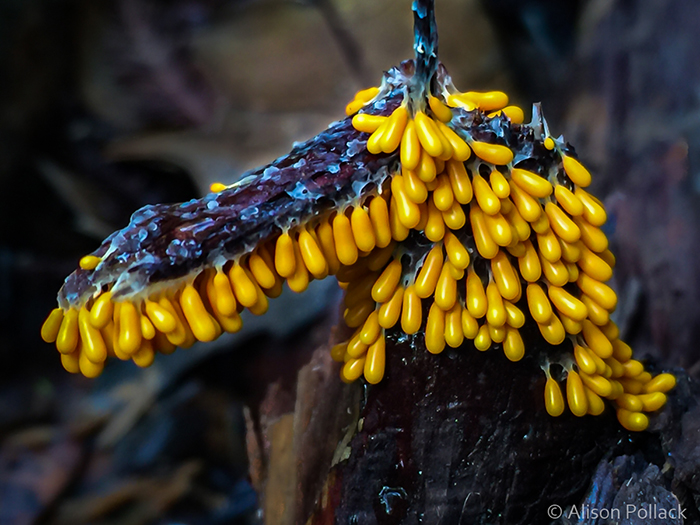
x,y
379,215
390,311
427,278
486,246
435,330
375,363
485,197
493,153
553,398
410,147
576,394
460,182
538,303
532,183
576,172
477,303
411,313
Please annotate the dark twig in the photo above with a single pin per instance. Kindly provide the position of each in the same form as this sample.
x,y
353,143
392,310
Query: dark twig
x,y
425,41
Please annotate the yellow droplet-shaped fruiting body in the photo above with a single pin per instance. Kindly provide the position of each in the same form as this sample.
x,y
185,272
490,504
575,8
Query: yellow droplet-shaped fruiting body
x,y
362,231
412,314
515,317
243,287
499,230
361,98
454,333
386,283
352,370
488,201
460,149
345,245
459,180
201,323
440,110
311,253
410,147
284,255
477,303
496,314
487,101
593,212
569,202
531,183
633,421
101,312
427,278
89,262
368,123
216,187
390,311
415,188
505,277
538,303
93,345
407,211
130,327
661,383
442,195
567,303
371,329
493,153
482,341
428,134
50,328
528,207
68,334
434,228
379,215
596,340
514,113
262,268
225,300
594,266
592,236
486,246
513,346
456,252
375,362
576,172
161,318
553,331
394,128
499,184
435,330
529,264
576,394
446,288
562,225
455,217
553,398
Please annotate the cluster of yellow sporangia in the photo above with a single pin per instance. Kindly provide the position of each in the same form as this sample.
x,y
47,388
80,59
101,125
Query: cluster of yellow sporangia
x,y
536,236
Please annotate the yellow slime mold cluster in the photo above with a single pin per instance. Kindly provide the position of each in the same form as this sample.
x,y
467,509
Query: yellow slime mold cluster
x,y
459,230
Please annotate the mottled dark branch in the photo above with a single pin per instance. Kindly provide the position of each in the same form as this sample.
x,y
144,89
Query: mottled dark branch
x,y
425,41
